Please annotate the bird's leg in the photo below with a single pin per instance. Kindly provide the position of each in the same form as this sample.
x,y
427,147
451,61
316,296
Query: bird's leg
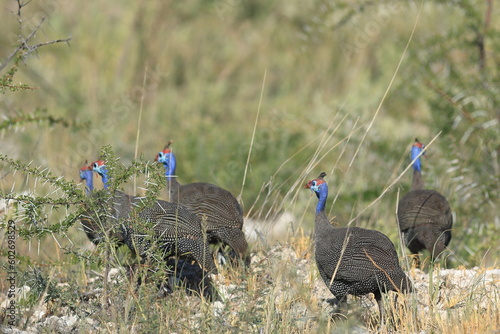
x,y
415,261
164,289
221,259
338,304
334,302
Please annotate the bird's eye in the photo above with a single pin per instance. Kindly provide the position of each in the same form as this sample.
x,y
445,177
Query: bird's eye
x,y
95,165
160,155
314,184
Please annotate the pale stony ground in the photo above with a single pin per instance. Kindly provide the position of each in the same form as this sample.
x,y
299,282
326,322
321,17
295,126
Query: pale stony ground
x,y
287,285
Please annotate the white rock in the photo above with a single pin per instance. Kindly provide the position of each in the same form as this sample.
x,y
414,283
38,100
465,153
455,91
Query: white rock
x,y
218,307
70,320
269,231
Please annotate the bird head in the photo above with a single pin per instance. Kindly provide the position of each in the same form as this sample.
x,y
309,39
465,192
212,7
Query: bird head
x,y
318,185
164,156
87,176
99,167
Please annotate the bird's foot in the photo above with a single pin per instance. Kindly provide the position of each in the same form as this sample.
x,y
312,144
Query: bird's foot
x,y
336,313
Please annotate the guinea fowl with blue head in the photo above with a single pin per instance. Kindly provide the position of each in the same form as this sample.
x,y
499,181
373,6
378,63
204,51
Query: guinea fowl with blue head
x,y
93,220
353,260
89,226
424,216
216,206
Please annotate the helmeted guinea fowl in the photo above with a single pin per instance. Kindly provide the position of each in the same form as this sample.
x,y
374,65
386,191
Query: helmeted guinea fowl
x,y
215,205
424,216
353,260
172,228
93,220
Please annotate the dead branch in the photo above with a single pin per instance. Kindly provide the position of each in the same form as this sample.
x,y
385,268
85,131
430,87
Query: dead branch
x,y
24,44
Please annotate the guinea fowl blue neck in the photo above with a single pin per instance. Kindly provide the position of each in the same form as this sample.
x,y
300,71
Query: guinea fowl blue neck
x,y
416,150
322,224
321,191
167,158
87,176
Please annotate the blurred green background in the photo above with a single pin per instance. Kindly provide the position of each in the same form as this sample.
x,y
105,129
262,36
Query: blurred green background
x,y
198,69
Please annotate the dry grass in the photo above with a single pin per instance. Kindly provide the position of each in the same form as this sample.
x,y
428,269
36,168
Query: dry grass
x,y
280,293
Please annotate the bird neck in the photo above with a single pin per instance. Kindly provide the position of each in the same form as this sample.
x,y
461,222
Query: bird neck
x,y
105,179
170,166
321,225
418,181
415,151
173,187
89,181
321,222
170,176
322,196
172,184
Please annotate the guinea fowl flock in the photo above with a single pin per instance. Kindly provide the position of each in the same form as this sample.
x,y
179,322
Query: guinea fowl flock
x,y
172,227
182,231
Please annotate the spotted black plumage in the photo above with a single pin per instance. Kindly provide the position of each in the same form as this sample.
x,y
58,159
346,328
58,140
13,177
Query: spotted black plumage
x,y
93,220
156,230
352,260
424,216
214,205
